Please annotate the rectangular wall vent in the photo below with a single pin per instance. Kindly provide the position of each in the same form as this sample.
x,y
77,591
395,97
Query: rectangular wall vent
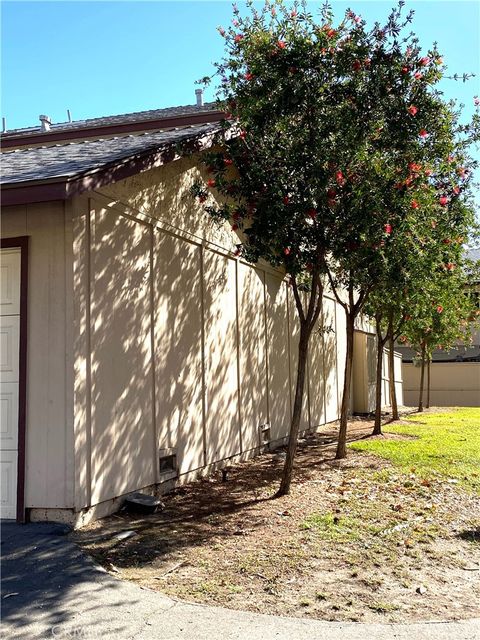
x,y
264,433
167,464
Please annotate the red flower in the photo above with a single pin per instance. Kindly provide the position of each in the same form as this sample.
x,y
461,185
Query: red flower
x,y
461,171
439,308
414,167
238,37
286,200
228,161
312,213
357,65
424,61
243,134
428,172
443,200
408,317
456,189
423,133
450,159
331,193
202,198
450,266
387,228
293,14
405,70
248,76
211,182
221,31
234,227
446,241
340,178
286,251
412,110
418,75
281,44
414,204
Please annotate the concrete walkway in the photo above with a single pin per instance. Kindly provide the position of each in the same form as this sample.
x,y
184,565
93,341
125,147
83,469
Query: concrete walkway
x,y
50,589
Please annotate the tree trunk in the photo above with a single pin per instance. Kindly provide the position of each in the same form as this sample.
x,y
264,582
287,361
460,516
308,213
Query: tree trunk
x,y
428,384
422,381
305,334
391,374
377,429
342,435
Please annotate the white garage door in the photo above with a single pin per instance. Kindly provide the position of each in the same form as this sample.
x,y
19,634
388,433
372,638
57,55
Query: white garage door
x,y
9,378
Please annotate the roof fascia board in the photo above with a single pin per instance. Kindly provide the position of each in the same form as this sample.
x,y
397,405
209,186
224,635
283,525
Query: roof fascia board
x,y
21,194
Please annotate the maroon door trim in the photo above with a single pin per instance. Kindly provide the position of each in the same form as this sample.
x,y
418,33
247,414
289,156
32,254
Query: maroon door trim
x,y
22,243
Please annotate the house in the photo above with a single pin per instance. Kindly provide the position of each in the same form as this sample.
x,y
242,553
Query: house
x,y
138,350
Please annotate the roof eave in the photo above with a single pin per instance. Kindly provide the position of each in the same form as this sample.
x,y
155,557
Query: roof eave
x,y
65,187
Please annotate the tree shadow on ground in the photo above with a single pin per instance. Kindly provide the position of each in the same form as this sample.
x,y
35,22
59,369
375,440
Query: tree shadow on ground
x,y
46,580
210,509
470,535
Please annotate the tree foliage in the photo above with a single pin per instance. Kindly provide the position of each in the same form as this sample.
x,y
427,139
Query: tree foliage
x,y
344,157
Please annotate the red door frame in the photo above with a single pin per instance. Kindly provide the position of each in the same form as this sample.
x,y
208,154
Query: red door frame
x,y
21,243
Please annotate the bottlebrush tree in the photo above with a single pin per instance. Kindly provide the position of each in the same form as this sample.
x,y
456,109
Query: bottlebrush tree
x,y
444,313
328,122
430,269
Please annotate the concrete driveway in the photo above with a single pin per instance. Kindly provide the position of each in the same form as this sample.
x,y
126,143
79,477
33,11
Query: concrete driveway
x,y
50,589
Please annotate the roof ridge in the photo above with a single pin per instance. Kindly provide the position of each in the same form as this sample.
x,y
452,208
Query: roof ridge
x,y
93,141
187,109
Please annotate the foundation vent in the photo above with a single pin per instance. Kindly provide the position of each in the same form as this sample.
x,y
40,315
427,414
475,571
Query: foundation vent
x,y
167,464
264,433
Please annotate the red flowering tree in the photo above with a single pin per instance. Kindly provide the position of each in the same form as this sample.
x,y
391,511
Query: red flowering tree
x,y
444,315
429,248
327,121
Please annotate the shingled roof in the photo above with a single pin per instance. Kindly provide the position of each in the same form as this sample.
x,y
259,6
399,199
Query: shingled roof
x,y
65,169
125,118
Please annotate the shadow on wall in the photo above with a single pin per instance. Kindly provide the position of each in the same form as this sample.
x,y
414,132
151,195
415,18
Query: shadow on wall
x,y
123,456
188,348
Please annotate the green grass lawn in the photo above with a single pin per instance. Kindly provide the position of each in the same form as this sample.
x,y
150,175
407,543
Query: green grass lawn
x,y
446,444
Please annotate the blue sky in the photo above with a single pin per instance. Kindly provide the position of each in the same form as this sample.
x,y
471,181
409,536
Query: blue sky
x,y
104,58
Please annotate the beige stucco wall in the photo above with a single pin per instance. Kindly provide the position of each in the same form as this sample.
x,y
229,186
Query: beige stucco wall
x,y
453,384
178,343
49,481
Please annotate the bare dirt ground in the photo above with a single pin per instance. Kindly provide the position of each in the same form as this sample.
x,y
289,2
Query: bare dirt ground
x,y
355,540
